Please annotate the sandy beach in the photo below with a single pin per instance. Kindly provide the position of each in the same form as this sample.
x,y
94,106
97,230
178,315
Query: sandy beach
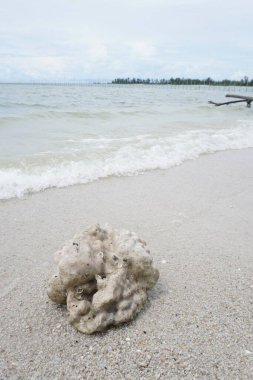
x,y
197,219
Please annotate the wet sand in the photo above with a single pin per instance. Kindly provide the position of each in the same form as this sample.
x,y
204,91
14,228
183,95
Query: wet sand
x,y
197,220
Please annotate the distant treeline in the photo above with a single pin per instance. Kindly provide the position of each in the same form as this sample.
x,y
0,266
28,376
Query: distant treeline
x,y
186,81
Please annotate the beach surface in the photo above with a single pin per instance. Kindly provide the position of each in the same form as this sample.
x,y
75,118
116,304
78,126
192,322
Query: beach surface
x,y
197,219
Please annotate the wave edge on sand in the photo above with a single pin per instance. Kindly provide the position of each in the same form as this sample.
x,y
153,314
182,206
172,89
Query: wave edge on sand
x,y
128,158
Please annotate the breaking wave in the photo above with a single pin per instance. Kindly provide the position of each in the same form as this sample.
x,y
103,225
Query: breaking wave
x,y
130,157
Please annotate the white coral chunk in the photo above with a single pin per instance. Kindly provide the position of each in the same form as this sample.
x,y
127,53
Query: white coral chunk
x,y
103,277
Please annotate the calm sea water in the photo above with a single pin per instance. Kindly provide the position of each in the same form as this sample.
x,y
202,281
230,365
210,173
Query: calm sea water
x,y
55,136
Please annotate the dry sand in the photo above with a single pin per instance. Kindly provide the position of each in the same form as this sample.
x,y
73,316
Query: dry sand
x,y
198,221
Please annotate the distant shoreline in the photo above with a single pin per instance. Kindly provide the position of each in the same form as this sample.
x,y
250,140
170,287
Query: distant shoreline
x,y
65,84
244,82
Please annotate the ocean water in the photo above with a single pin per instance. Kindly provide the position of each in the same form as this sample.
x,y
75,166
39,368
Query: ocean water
x,y
56,136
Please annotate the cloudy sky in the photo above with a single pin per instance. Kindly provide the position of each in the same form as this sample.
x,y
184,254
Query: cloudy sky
x,y
104,39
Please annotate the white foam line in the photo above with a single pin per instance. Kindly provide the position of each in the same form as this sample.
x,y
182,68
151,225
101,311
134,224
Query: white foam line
x,y
148,153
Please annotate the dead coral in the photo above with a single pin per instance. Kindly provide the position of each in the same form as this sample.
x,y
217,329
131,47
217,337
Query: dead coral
x,y
103,277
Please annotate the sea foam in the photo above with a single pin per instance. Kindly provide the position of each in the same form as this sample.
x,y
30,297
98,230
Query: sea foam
x,y
132,156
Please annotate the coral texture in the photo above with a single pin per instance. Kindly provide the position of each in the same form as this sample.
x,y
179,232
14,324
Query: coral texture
x,y
103,277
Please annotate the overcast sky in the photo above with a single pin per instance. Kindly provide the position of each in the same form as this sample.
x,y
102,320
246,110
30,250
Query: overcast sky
x,y
104,39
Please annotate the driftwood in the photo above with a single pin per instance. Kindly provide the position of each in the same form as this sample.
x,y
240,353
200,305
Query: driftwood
x,y
247,99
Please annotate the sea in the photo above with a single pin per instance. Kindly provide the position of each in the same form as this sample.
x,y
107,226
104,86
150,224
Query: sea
x,y
62,135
